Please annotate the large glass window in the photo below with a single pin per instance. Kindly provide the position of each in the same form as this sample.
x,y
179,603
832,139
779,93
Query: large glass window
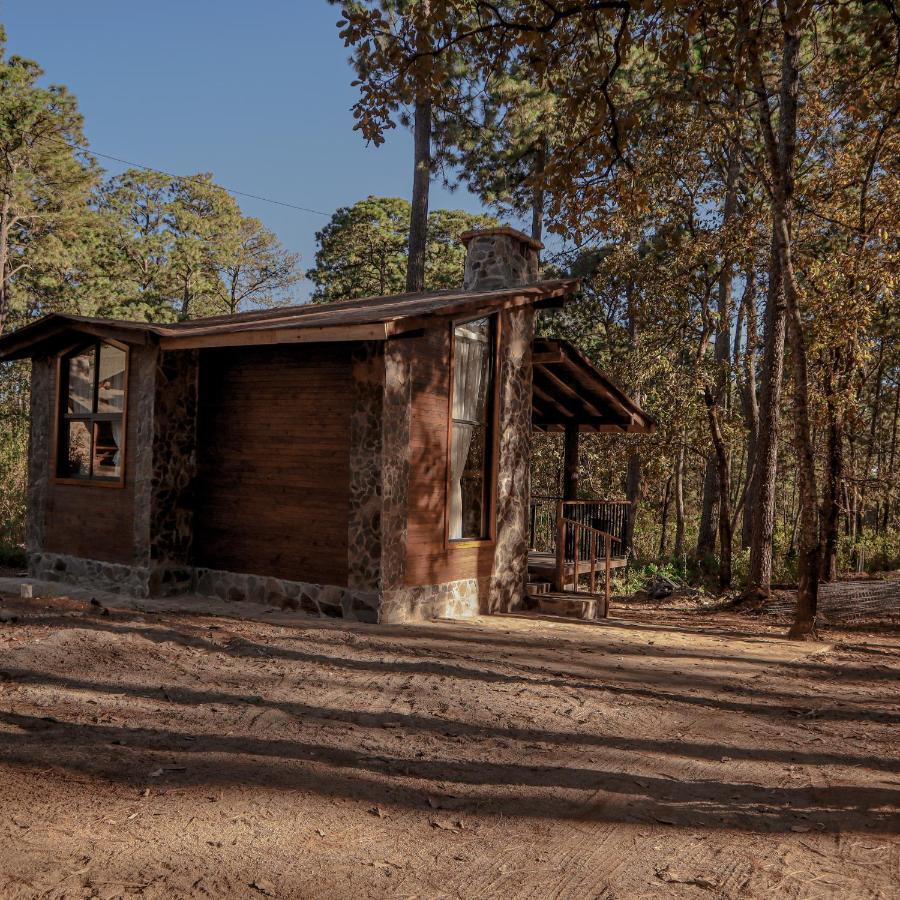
x,y
92,413
471,440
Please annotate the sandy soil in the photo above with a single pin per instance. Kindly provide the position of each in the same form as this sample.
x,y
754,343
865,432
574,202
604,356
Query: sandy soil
x,y
663,753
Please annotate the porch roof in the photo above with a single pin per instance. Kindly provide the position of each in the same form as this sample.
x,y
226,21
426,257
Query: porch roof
x,y
569,391
365,319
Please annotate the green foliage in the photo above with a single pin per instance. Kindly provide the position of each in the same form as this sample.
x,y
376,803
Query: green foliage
x,y
362,250
180,248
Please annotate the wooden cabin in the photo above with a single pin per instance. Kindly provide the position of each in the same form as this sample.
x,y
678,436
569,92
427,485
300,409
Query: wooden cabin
x,y
367,458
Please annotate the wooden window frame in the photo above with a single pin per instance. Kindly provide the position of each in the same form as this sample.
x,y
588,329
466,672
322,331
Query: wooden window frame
x,y
492,444
59,415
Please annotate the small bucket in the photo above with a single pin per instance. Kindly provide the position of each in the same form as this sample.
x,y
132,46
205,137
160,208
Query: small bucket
x,y
26,591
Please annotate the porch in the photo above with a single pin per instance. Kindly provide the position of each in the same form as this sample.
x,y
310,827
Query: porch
x,y
576,543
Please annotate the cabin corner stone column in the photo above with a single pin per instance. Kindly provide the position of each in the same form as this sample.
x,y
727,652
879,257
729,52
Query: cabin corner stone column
x,y
173,469
364,541
510,567
39,457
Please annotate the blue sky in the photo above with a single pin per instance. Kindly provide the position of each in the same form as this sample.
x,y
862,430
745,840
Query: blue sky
x,y
257,93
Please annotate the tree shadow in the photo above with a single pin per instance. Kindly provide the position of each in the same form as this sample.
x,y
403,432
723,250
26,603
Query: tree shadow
x,y
119,754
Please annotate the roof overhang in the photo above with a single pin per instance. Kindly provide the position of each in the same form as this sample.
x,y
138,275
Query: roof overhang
x,y
365,319
569,391
55,332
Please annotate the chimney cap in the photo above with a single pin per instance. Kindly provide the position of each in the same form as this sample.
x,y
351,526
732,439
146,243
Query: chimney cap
x,y
467,236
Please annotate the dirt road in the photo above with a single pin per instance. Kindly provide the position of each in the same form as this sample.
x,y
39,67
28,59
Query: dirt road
x,y
162,754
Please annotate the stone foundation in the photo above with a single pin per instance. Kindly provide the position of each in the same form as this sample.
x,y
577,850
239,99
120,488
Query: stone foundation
x,y
453,600
422,603
131,580
326,600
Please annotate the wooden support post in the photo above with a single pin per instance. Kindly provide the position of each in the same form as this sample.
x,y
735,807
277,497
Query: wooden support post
x,y
571,470
560,548
607,541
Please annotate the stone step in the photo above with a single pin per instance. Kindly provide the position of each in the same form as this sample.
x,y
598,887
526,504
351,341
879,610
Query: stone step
x,y
574,606
533,588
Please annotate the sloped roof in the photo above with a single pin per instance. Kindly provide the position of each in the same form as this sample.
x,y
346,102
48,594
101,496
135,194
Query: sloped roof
x,y
569,390
369,318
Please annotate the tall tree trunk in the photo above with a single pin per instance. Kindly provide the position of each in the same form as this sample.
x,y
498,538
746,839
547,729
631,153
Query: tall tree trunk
x,y
537,196
418,216
783,178
765,465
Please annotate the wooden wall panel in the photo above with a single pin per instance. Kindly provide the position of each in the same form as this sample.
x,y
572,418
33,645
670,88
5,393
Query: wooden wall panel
x,y
428,560
90,520
273,479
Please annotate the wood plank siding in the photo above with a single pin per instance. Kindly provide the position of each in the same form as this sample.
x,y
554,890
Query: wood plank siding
x,y
429,560
91,520
273,481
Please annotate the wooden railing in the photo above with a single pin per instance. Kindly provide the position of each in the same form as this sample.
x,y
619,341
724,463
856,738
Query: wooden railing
x,y
585,542
610,516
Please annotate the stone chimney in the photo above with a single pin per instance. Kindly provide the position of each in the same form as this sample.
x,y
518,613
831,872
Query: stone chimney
x,y
499,258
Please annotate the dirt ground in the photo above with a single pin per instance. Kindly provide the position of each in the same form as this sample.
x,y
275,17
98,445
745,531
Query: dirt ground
x,y
234,751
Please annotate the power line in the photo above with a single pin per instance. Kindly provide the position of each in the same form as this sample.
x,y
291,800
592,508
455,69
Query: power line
x,y
137,165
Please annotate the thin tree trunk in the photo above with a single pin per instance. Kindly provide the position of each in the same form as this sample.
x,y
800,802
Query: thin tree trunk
x,y
750,403
679,504
664,523
633,478
834,474
4,259
418,216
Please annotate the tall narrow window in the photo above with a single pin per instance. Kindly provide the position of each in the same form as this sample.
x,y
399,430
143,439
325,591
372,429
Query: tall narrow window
x,y
471,441
92,413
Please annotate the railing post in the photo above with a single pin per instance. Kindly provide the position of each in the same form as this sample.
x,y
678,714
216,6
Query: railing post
x,y
560,547
576,553
593,576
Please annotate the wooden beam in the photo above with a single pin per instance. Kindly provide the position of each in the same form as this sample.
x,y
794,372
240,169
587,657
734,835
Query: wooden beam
x,y
570,393
548,358
321,334
557,410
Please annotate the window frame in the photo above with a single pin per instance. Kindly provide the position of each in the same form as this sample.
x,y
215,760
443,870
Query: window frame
x,y
60,418
492,441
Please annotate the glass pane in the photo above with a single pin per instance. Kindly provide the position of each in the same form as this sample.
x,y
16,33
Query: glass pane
x,y
111,380
77,446
471,376
81,383
107,446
